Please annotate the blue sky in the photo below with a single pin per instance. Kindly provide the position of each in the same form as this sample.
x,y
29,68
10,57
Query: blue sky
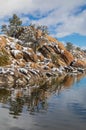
x,y
65,19
76,39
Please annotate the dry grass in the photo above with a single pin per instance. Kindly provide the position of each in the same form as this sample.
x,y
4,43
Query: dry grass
x,y
4,58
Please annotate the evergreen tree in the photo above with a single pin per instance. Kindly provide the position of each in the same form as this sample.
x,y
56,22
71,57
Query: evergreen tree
x,y
4,29
13,27
44,29
69,46
78,48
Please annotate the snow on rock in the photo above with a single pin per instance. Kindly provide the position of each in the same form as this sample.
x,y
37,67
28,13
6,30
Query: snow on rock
x,y
25,48
45,67
8,40
59,70
23,70
55,69
12,45
33,71
62,51
29,55
40,56
17,54
2,71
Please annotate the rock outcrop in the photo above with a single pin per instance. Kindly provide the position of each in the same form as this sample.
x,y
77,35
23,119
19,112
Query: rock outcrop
x,y
21,65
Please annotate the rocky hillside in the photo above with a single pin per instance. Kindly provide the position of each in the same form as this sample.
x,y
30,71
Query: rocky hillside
x,y
22,63
80,55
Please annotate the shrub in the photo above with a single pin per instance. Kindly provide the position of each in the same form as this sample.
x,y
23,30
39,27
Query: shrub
x,y
4,58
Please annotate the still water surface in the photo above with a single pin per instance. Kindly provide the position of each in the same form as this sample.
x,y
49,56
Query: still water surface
x,y
59,104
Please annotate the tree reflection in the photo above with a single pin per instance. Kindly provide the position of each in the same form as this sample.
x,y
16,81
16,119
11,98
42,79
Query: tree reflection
x,y
32,99
37,101
16,107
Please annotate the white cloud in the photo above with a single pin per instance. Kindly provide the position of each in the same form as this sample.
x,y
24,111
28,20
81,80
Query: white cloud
x,y
73,24
25,20
57,13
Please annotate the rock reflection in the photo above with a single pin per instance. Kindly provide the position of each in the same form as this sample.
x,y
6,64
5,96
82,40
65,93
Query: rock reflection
x,y
80,76
69,80
33,99
23,99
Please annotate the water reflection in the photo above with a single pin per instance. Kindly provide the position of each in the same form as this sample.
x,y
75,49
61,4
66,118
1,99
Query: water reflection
x,y
21,99
33,99
78,109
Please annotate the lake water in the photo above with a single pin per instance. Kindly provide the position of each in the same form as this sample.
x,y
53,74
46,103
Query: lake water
x,y
59,104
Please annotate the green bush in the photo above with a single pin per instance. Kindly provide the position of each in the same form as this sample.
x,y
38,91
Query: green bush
x,y
55,58
4,58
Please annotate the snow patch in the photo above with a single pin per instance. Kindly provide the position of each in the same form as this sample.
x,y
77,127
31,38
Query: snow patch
x,y
15,52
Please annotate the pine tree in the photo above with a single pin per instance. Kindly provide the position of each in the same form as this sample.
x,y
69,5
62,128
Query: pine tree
x,y
4,28
13,27
44,29
14,24
69,46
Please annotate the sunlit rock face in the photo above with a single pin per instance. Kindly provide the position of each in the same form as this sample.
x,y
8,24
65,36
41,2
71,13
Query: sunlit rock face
x,y
66,56
80,63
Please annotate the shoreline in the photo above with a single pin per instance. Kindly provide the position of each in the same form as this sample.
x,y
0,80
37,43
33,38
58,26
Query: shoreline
x,y
24,76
